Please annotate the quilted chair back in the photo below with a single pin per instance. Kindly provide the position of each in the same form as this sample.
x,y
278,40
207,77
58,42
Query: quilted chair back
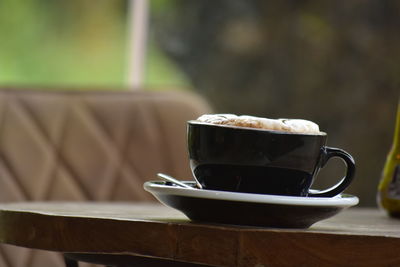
x,y
88,146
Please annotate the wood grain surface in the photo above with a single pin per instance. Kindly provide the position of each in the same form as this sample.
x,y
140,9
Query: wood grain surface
x,y
356,237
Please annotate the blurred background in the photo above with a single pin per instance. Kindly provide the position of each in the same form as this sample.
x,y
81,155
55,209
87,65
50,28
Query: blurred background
x,y
333,62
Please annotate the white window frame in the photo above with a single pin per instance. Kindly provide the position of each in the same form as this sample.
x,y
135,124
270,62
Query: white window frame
x,y
138,17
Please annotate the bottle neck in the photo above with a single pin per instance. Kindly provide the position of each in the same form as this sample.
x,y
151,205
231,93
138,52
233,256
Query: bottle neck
x,y
396,138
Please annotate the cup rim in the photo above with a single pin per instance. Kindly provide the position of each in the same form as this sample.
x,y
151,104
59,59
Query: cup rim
x,y
255,129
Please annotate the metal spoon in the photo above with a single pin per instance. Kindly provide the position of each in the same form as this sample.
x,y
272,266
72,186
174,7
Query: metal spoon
x,y
172,180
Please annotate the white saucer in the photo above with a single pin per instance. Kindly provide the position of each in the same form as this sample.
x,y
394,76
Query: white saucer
x,y
248,209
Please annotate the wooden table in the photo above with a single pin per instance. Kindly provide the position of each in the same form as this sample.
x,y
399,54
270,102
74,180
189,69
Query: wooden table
x,y
125,234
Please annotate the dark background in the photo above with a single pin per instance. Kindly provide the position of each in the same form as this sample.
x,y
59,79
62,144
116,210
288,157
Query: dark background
x,y
333,62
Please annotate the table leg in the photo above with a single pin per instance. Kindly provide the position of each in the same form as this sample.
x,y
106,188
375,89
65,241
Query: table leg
x,y
70,262
115,260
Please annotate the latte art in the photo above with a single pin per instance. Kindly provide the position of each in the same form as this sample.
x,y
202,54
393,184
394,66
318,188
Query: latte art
x,y
286,125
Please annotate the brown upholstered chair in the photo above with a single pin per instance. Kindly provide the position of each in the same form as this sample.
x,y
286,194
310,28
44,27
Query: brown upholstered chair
x,y
88,146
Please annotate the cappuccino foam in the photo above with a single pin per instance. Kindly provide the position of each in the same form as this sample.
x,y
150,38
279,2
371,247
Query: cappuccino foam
x,y
286,125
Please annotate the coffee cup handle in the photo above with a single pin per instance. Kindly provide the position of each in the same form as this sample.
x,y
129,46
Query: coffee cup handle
x,y
328,153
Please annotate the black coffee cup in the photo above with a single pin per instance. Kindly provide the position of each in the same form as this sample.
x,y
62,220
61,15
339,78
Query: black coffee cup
x,y
238,159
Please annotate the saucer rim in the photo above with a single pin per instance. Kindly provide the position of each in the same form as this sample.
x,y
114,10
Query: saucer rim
x,y
160,187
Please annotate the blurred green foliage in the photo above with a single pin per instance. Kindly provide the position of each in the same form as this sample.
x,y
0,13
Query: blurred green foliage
x,y
76,43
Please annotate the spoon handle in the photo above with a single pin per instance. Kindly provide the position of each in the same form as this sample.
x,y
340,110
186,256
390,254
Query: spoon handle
x,y
172,180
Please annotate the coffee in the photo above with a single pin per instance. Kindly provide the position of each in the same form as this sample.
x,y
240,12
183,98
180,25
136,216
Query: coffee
x,y
227,154
286,125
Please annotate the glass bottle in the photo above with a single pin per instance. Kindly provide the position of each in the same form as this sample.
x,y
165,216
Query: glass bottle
x,y
389,186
